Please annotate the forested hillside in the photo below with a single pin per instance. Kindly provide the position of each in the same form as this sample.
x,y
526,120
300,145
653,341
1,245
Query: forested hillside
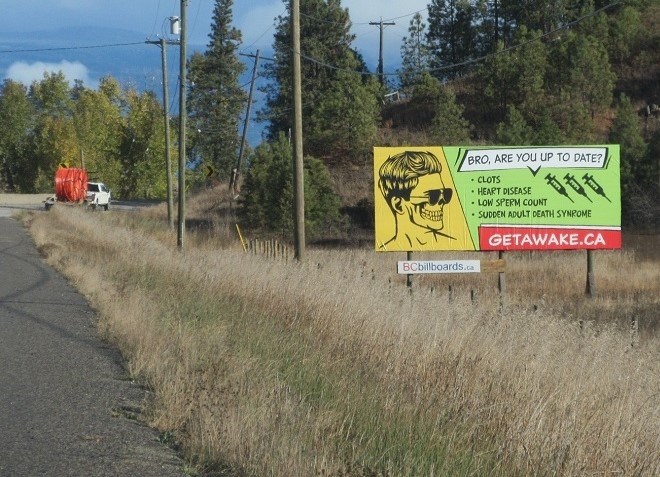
x,y
478,72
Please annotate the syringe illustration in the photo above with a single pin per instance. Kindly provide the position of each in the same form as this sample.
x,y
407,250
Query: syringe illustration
x,y
576,186
595,186
552,180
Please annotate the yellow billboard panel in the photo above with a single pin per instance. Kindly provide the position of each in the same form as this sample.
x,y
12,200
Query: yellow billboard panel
x,y
416,207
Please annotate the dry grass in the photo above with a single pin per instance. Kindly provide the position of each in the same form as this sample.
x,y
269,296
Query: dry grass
x,y
333,368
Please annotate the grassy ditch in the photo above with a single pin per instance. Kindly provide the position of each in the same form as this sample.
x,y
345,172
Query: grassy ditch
x,y
331,367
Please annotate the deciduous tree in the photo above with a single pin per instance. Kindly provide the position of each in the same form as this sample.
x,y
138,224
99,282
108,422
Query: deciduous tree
x,y
98,122
54,139
143,173
17,170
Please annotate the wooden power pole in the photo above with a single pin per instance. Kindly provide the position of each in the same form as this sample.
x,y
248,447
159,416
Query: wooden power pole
x,y
233,184
162,42
298,183
381,25
181,229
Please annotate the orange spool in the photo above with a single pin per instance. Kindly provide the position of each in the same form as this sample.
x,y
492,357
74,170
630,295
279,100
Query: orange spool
x,y
71,184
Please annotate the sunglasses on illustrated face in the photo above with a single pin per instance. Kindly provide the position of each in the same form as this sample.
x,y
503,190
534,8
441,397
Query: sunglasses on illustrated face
x,y
436,196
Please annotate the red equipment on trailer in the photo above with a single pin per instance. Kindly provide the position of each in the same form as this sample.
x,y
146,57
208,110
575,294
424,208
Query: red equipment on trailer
x,y
71,184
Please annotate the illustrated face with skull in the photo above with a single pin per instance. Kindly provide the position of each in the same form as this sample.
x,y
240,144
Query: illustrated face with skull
x,y
425,207
411,183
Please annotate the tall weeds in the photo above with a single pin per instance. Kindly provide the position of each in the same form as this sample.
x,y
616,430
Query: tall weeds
x,y
332,367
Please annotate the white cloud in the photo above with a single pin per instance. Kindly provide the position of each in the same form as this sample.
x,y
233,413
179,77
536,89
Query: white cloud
x,y
26,73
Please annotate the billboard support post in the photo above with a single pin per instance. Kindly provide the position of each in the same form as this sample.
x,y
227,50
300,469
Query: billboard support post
x,y
409,276
501,280
591,285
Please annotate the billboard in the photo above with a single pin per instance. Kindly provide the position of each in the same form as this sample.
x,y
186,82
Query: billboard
x,y
497,198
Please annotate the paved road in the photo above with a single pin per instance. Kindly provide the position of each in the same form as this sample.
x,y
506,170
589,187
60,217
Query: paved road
x,y
66,406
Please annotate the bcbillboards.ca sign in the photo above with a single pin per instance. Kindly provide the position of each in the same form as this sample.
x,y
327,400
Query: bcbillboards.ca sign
x,y
508,198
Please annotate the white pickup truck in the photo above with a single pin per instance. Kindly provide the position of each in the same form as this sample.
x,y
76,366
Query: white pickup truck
x,y
98,195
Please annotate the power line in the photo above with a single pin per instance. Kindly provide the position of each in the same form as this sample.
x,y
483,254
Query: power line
x,y
153,28
322,20
69,48
408,15
262,35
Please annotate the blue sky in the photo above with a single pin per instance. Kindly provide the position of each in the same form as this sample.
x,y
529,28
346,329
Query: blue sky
x,y
255,18
44,23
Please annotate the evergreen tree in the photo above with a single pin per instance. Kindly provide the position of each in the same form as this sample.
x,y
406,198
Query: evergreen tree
x,y
266,200
492,79
514,130
451,36
216,99
547,132
585,75
516,77
327,57
626,132
543,15
573,118
267,195
637,172
448,125
346,117
437,110
415,53
653,158
625,35
423,100
495,23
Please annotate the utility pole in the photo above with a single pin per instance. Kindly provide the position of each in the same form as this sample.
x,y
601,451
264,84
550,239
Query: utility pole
x,y
381,25
168,162
233,184
181,229
298,182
